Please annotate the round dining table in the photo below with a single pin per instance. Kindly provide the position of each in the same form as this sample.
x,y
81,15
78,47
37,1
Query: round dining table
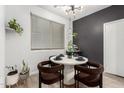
x,y
69,67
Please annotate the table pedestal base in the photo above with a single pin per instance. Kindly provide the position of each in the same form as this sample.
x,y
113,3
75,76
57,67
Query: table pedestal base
x,y
69,75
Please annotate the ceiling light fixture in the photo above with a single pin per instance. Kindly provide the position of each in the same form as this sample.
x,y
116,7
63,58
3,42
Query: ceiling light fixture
x,y
70,9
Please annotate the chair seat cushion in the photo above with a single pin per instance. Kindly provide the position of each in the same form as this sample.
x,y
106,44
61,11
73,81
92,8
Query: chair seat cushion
x,y
50,78
87,79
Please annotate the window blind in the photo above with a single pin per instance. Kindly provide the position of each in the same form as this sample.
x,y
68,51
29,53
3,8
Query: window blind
x,y
46,34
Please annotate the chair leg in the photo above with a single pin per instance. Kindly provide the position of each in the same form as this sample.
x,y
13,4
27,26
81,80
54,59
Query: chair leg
x,y
101,82
60,84
39,80
78,84
77,80
39,85
75,83
100,86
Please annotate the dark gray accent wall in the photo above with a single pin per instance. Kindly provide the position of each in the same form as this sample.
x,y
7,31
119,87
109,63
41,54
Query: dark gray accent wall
x,y
90,31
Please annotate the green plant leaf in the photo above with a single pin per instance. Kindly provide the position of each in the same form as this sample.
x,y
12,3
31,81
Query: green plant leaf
x,y
14,25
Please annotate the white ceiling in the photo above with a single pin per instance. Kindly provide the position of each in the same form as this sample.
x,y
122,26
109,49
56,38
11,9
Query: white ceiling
x,y
87,9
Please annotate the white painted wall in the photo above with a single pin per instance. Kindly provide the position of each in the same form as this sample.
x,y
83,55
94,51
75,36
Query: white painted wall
x,y
2,47
114,47
18,47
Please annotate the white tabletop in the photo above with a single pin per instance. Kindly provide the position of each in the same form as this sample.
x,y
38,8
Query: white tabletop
x,y
69,61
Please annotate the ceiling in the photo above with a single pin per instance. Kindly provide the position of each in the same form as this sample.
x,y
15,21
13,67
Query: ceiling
x,y
87,9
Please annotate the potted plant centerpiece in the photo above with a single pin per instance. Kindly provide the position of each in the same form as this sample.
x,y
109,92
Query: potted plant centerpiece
x,y
12,76
77,51
24,74
70,49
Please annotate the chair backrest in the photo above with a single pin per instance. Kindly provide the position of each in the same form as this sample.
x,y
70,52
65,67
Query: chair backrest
x,y
49,69
95,68
91,68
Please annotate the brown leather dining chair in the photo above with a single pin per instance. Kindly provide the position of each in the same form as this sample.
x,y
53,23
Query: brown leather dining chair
x,y
89,74
50,74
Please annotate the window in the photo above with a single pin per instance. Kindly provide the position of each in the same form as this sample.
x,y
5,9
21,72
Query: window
x,y
46,34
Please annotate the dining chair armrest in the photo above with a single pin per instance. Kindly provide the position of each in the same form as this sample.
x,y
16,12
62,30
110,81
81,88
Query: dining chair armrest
x,y
93,64
52,69
56,68
84,69
85,64
53,64
44,63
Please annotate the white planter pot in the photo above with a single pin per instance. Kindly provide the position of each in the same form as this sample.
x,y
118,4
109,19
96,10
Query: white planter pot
x,y
12,79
